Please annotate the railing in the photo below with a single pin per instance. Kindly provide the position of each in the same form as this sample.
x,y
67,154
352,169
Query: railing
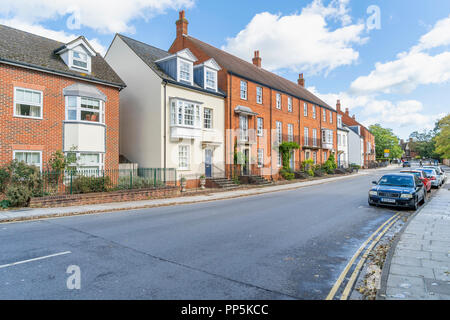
x,y
87,181
375,164
311,142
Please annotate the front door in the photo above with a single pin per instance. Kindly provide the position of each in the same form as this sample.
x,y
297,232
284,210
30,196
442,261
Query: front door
x,y
208,163
246,167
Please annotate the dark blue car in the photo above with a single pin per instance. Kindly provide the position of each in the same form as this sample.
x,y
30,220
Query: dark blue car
x,y
398,189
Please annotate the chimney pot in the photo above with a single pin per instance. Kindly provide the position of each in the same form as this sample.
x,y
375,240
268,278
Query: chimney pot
x,y
338,106
301,80
182,24
346,111
257,59
354,117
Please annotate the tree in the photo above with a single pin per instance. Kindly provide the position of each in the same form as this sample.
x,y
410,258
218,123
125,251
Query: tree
x,y
385,139
285,149
443,138
424,143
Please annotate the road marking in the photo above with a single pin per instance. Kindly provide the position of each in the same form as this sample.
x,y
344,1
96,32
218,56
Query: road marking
x,y
34,259
355,273
341,278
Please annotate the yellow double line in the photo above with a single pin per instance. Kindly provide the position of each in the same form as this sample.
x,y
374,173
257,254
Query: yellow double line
x,y
383,228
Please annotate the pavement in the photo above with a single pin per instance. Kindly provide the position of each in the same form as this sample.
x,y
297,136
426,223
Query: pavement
x,y
36,213
420,265
278,245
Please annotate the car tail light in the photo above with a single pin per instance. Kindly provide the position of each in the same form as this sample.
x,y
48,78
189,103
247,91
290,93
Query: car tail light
x,y
433,178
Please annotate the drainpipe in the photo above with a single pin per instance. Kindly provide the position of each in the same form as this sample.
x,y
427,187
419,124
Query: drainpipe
x,y
165,126
270,138
231,146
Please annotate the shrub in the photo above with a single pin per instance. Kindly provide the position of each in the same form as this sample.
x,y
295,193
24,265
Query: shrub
x,y
328,167
4,179
18,196
5,204
287,174
84,184
137,183
285,149
26,176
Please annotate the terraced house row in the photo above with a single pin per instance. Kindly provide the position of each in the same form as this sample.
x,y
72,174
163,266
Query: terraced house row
x,y
193,108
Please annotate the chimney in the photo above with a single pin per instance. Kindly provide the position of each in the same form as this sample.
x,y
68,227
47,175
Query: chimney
x,y
338,106
301,80
346,111
354,117
257,59
182,25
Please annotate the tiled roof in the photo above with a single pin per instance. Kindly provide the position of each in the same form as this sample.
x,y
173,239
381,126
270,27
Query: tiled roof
x,y
30,50
250,71
149,54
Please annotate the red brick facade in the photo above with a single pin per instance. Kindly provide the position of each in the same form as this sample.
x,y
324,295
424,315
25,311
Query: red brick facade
x,y
46,134
267,110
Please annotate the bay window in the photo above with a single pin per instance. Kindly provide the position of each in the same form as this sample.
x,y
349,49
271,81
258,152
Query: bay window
x,y
185,113
85,109
87,162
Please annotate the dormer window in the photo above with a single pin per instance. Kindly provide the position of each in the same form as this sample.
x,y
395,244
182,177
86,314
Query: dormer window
x,y
185,71
211,79
80,60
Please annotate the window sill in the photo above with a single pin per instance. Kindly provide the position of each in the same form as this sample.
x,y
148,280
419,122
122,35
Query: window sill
x,y
28,117
85,122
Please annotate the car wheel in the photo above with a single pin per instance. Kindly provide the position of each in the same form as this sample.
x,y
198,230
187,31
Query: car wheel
x,y
424,199
371,204
415,206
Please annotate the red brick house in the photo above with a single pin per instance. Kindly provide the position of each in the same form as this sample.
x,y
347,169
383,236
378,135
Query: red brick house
x,y
369,138
56,96
263,109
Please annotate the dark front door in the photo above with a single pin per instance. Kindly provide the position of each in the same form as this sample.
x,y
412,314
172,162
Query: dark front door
x,y
246,168
208,163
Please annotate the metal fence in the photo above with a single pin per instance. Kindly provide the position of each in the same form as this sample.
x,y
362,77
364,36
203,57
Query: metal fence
x,y
88,181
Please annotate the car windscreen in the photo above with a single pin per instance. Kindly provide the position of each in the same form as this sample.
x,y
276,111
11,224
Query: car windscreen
x,y
414,173
430,172
397,181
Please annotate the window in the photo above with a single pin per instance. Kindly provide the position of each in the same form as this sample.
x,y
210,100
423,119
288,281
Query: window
x,y
314,111
327,136
27,103
183,157
185,113
260,126
279,160
32,158
339,139
306,134
211,79
305,109
339,120
315,137
279,132
185,71
260,158
243,90
315,157
243,127
278,101
207,114
290,132
84,109
290,104
331,117
259,95
324,115
79,60
307,155
325,155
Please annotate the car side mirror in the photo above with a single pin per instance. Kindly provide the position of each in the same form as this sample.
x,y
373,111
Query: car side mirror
x,y
374,182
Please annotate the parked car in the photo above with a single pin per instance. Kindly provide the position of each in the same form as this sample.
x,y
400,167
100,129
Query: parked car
x,y
434,177
439,170
422,176
406,164
398,189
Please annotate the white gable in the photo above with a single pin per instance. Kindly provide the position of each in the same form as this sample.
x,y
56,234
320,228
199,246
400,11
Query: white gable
x,y
212,64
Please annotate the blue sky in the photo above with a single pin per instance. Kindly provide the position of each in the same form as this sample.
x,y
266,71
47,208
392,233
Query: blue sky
x,y
397,75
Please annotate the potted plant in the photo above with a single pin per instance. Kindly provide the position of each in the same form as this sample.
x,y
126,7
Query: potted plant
x,y
202,182
183,184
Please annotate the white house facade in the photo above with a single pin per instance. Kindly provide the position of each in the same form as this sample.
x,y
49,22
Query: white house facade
x,y
172,112
355,146
342,141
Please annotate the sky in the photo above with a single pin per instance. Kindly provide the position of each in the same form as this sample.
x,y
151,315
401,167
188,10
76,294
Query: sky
x,y
387,61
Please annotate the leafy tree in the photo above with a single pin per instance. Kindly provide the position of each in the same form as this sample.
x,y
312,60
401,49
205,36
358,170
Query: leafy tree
x,y
443,138
424,143
386,139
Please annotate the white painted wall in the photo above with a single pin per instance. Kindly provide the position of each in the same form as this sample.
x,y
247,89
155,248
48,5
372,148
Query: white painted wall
x,y
354,148
343,148
85,137
140,107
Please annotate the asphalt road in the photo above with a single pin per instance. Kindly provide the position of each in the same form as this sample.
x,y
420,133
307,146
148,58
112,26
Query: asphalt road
x,y
284,245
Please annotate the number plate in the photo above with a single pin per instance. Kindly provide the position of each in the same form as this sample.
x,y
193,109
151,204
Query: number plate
x,y
387,200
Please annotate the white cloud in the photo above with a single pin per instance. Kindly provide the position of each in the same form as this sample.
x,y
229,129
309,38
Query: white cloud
x,y
411,69
301,42
61,36
106,16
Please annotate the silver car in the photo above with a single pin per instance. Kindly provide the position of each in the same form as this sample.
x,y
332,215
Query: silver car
x,y
440,171
436,180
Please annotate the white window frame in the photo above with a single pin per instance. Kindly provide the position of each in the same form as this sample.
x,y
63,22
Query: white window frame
x,y
290,132
315,157
305,135
324,115
181,72
279,127
30,151
314,136
79,109
259,95
244,90
211,117
243,128
73,59
331,117
339,120
314,111
260,126
290,104
41,105
214,73
178,114
305,109
278,103
188,157
260,158
279,160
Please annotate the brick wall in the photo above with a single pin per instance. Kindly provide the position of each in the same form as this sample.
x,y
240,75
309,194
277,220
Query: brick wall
x,y
46,135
